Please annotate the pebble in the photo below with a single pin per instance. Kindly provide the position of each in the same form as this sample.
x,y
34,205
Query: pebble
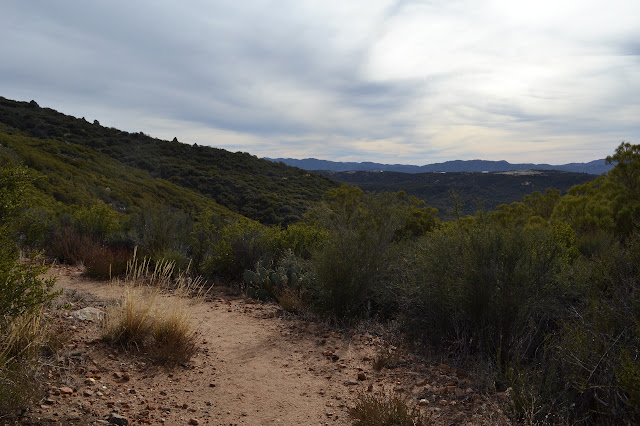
x,y
117,419
65,390
194,421
362,376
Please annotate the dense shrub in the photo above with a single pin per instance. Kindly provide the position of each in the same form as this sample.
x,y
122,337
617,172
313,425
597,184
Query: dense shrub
x,y
354,267
597,351
237,247
488,289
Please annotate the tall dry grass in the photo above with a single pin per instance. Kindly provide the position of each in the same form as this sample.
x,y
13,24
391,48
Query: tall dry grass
x,y
154,313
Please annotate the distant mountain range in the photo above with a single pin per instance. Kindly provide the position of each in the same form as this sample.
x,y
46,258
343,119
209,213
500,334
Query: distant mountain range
x,y
595,167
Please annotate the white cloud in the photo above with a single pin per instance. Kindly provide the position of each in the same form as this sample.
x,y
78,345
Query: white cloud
x,y
392,81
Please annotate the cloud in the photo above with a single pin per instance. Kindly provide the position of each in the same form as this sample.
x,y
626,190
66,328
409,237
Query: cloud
x,y
392,81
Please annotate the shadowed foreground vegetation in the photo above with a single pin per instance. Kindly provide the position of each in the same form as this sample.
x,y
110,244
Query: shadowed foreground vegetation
x,y
541,296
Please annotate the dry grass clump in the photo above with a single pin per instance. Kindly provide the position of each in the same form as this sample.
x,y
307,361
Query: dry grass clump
x,y
146,320
20,344
371,410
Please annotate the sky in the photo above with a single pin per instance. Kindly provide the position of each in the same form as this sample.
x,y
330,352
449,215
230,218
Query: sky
x,y
407,82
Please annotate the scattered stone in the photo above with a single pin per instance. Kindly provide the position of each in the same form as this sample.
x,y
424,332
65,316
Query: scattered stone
x,y
194,421
87,392
117,419
424,402
350,382
362,376
65,390
421,382
212,385
334,357
89,314
469,390
90,381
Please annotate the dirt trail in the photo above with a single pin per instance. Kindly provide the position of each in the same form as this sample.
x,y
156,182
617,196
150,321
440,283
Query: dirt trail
x,y
255,366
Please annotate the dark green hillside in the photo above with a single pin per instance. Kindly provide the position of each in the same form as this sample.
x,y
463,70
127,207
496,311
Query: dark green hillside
x,y
75,175
487,190
259,189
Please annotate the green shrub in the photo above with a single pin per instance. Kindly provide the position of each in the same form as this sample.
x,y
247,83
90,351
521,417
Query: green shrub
x,y
239,247
353,267
490,289
98,221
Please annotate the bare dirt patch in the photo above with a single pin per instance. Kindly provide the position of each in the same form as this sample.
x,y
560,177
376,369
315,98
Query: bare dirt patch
x,y
255,365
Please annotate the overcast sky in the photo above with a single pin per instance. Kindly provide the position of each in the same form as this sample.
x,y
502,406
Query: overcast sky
x,y
404,81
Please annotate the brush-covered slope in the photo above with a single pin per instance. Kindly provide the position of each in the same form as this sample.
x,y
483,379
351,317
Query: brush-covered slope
x,y
71,174
259,189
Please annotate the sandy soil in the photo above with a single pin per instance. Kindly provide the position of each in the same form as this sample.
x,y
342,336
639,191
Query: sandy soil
x,y
255,366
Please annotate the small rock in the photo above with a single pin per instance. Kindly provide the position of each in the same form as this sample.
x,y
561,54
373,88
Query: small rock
x,y
424,402
87,392
334,357
362,376
65,390
421,382
350,382
89,314
194,421
117,419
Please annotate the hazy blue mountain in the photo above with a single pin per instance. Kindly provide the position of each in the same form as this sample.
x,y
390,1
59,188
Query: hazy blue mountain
x,y
595,167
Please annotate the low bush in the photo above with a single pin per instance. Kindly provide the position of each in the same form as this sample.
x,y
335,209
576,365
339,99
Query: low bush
x,y
371,410
103,262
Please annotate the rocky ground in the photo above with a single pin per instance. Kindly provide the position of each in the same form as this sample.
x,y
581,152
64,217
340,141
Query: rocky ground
x,y
255,366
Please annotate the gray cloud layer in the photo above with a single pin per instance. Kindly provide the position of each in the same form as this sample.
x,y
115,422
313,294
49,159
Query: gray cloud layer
x,y
389,81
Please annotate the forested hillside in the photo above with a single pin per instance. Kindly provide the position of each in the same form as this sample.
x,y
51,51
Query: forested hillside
x,y
466,192
259,189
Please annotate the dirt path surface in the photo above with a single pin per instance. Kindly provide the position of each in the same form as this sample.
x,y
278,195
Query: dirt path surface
x,y
255,366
